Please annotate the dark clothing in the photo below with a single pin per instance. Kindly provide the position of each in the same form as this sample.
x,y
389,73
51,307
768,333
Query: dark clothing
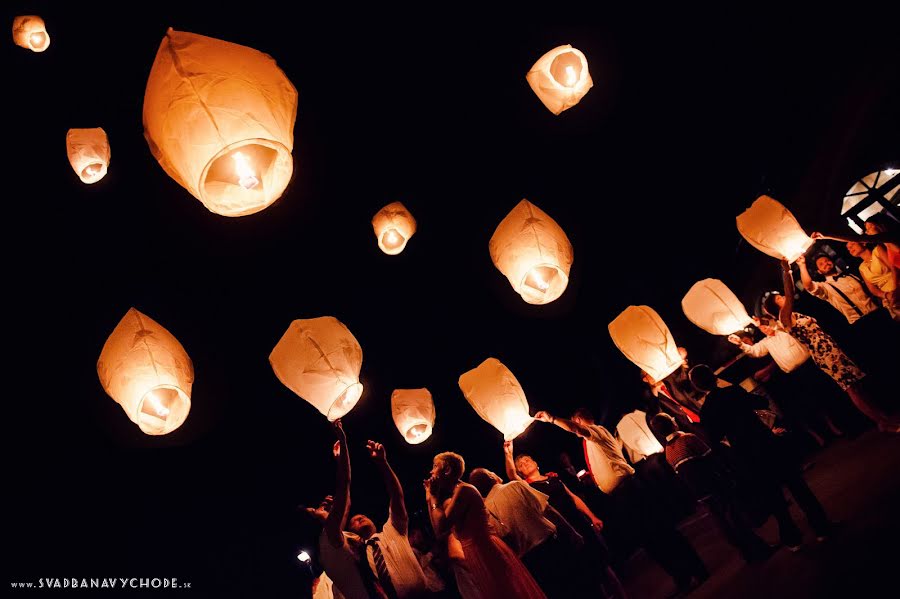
x,y
729,412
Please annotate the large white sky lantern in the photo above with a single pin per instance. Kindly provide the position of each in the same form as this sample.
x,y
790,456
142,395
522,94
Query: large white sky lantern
x,y
219,118
89,154
30,32
498,397
533,252
393,225
413,411
319,359
643,337
772,229
560,78
146,370
712,306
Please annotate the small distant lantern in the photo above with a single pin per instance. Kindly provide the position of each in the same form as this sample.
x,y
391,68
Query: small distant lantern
x,y
643,337
636,436
30,32
146,370
413,411
533,252
560,78
712,306
393,225
319,359
219,118
498,397
772,229
89,153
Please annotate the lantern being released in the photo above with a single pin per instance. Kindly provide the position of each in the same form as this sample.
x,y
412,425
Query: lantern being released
x,y
219,118
319,359
145,369
413,411
643,337
498,397
772,229
89,154
29,32
712,306
560,78
393,225
533,252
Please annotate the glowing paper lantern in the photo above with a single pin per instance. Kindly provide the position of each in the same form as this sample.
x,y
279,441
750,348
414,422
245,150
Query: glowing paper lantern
x,y
30,32
643,337
413,411
560,78
498,397
393,225
772,229
146,370
319,359
89,154
219,118
533,252
637,437
712,306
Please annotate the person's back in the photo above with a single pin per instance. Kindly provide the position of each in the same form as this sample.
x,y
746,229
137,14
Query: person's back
x,y
729,412
519,509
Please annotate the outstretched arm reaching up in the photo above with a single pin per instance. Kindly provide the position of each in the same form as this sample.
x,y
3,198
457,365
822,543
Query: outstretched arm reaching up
x,y
337,517
563,423
399,517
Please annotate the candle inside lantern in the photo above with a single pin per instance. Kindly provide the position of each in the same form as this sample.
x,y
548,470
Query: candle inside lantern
x,y
38,39
246,174
417,431
571,76
91,170
540,277
392,240
156,401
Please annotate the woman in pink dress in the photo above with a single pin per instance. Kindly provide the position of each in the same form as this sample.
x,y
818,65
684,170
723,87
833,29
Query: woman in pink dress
x,y
493,569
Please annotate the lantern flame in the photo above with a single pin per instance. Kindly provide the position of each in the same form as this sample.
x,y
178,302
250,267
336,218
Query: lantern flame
x,y
392,239
246,174
536,281
37,40
571,76
161,410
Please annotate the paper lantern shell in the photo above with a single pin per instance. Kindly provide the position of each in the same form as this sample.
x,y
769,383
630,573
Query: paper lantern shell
x,y
560,78
30,32
319,359
533,252
643,337
89,154
636,436
219,118
712,306
497,397
413,412
772,229
393,225
146,370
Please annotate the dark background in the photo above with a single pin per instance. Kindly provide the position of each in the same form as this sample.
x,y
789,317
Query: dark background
x,y
692,115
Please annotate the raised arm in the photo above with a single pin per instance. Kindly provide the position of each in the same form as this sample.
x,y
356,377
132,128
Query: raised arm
x,y
448,513
787,310
399,516
757,350
337,517
804,274
563,423
509,462
877,238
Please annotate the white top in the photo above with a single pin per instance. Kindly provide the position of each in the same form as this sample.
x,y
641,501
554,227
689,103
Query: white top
x,y
605,460
852,289
637,437
341,566
402,566
520,511
787,352
325,589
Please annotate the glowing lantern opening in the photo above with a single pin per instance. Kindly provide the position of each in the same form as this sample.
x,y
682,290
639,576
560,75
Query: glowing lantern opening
x,y
219,118
712,306
413,412
643,338
533,252
89,153
393,226
560,78
772,229
146,370
30,32
495,394
319,359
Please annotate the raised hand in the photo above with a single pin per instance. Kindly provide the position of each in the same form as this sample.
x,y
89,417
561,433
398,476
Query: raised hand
x,y
816,235
508,447
801,260
734,339
543,416
376,451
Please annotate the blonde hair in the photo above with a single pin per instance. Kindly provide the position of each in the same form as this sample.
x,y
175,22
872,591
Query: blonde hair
x,y
453,461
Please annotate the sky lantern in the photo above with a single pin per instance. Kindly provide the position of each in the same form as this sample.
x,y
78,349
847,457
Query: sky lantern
x,y
712,306
413,411
89,154
772,229
560,78
319,359
146,370
393,225
643,337
498,397
219,118
636,436
30,32
533,252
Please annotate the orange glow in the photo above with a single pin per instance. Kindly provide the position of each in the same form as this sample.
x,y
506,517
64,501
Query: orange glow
x,y
246,174
38,39
161,410
392,239
536,280
571,77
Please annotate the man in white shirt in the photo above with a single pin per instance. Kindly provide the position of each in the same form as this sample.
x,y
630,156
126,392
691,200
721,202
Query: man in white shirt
x,y
844,292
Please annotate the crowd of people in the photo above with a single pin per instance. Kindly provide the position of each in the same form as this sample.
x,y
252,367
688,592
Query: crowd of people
x,y
694,439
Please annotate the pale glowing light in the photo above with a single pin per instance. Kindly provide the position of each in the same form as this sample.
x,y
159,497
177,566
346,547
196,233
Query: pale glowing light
x,y
571,76
245,172
304,557
417,431
581,473
392,239
161,410
536,281
891,172
37,39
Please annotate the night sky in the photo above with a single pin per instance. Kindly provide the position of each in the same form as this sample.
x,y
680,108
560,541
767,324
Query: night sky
x,y
691,117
